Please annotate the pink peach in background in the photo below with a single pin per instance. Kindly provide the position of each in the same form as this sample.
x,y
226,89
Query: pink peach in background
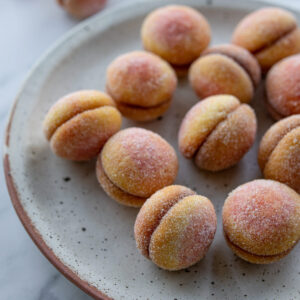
x,y
81,9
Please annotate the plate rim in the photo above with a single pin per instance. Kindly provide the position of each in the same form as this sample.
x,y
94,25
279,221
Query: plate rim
x,y
30,228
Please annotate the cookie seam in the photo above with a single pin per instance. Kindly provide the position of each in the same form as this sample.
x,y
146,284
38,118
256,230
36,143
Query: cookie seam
x,y
127,105
213,129
272,43
268,159
101,166
258,255
74,116
180,199
108,90
237,62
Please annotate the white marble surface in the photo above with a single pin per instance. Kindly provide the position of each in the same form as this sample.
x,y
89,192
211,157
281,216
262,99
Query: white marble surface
x,y
27,29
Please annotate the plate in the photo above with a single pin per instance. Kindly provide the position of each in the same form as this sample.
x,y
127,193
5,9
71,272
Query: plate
x,y
88,236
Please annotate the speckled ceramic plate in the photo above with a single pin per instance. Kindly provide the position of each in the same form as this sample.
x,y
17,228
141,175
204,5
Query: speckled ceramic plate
x,y
88,236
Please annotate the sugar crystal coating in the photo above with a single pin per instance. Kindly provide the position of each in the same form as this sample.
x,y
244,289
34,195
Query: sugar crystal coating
x,y
241,56
176,33
230,140
215,73
284,162
283,86
279,152
201,120
253,258
175,227
268,24
270,34
137,113
139,161
273,136
114,191
71,105
217,132
282,48
82,137
78,125
142,84
262,218
153,211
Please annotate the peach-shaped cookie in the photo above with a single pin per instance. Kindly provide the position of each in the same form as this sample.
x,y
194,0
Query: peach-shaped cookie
x,y
135,163
270,33
176,33
175,227
283,88
142,84
78,125
225,69
261,221
279,152
217,132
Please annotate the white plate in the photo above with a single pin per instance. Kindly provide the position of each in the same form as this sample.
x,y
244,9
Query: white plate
x,y
88,236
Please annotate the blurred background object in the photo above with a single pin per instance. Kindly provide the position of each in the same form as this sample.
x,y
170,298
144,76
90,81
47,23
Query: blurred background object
x,y
81,9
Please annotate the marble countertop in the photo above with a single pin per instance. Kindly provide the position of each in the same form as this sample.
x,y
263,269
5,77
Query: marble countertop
x,y
27,29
